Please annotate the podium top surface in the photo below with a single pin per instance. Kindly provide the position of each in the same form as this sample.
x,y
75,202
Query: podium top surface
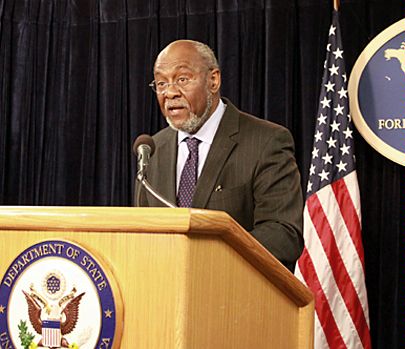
x,y
158,220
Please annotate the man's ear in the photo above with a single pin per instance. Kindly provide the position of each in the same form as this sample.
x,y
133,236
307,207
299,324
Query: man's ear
x,y
214,80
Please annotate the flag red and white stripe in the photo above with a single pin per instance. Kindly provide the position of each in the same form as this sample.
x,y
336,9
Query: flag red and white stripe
x,y
332,263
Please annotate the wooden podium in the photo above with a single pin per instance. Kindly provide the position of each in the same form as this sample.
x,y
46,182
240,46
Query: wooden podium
x,y
188,278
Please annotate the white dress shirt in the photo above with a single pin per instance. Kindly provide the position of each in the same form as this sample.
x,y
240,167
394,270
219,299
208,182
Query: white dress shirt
x,y
205,134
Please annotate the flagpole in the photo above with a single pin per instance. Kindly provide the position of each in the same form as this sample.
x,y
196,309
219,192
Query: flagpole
x,y
336,4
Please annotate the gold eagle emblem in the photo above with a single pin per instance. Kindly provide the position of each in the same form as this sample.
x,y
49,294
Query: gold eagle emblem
x,y
66,310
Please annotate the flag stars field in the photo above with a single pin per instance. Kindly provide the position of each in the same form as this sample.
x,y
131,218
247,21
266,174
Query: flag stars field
x,y
338,53
335,126
324,175
331,142
345,149
327,158
348,133
322,119
342,93
318,136
330,87
341,166
325,102
315,153
334,70
339,110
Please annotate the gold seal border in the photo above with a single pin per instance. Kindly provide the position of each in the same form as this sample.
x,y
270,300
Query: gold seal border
x,y
358,119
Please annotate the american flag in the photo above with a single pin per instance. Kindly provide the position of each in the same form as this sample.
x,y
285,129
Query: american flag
x,y
332,264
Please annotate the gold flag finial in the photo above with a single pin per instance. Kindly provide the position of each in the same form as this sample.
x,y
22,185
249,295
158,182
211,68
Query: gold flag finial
x,y
336,4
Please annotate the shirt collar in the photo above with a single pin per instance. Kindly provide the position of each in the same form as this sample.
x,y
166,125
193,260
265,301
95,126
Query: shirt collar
x,y
207,132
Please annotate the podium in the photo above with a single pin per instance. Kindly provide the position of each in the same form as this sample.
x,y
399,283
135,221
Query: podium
x,y
188,278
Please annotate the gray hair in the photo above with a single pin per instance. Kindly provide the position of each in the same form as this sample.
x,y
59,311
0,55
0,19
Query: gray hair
x,y
206,54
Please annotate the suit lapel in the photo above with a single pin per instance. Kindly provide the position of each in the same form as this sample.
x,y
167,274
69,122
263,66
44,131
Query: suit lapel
x,y
167,167
219,152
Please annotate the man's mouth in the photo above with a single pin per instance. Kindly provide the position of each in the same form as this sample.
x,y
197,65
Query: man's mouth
x,y
177,107
174,110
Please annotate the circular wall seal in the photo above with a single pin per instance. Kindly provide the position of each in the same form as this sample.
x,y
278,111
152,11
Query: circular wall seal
x,y
56,294
377,93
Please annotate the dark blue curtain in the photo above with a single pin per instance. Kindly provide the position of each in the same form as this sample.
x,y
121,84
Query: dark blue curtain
x,y
74,95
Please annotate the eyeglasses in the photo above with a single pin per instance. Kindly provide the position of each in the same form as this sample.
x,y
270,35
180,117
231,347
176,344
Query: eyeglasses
x,y
160,87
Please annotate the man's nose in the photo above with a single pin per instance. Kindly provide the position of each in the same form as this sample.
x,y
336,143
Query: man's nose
x,y
172,90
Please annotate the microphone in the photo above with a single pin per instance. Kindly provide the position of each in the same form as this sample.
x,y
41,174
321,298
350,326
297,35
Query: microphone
x,y
144,147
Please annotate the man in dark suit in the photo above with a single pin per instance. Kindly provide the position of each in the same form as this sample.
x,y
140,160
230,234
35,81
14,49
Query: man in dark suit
x,y
244,166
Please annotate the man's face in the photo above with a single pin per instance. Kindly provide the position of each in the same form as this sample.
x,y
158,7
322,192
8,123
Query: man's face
x,y
185,108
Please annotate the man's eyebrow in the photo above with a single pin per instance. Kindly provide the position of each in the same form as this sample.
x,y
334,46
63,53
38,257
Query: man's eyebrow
x,y
179,66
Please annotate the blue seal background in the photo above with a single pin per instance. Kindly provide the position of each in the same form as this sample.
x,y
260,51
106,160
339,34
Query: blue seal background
x,y
380,98
106,296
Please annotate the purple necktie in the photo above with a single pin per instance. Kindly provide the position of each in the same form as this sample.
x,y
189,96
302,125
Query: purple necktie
x,y
188,177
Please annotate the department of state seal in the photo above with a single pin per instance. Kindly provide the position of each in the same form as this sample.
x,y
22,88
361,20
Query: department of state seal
x,y
56,294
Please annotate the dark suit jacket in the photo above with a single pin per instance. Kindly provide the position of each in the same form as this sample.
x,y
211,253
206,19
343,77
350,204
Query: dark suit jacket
x,y
253,162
